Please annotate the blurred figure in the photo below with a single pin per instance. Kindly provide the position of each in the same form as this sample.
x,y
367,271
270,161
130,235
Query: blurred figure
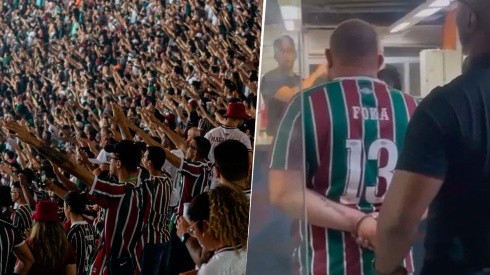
x,y
445,164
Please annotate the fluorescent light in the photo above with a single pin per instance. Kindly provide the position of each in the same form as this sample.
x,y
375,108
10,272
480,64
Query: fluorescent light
x,y
290,12
440,3
289,25
400,27
427,12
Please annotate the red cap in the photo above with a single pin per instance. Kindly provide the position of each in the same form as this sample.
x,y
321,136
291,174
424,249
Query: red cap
x,y
236,110
46,211
193,103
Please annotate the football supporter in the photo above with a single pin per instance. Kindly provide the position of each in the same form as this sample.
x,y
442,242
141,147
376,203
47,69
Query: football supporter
x,y
52,252
81,234
445,164
156,233
21,217
352,128
219,221
13,244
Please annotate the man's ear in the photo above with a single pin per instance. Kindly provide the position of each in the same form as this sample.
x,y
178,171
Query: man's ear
x,y
328,55
381,61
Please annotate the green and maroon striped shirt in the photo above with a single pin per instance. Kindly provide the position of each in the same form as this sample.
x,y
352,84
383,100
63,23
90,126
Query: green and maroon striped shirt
x,y
353,129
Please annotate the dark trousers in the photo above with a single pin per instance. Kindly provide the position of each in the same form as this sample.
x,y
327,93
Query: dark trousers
x,y
179,260
153,258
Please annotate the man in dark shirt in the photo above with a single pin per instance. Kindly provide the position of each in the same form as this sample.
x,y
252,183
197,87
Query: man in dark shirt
x,y
446,163
281,84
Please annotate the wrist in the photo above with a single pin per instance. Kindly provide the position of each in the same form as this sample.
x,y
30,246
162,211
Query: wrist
x,y
360,220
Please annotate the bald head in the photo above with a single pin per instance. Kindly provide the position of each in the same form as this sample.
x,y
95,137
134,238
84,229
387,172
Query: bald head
x,y
354,41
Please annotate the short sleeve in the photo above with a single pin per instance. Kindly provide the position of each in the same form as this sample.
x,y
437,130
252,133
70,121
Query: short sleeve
x,y
424,150
288,148
102,192
246,141
210,268
71,257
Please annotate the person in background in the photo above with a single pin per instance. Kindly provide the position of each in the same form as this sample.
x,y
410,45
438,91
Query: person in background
x,y
156,234
21,217
445,167
81,234
49,244
13,244
219,222
391,77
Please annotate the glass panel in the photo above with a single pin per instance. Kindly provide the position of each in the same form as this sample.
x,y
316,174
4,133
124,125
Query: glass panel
x,y
415,79
274,234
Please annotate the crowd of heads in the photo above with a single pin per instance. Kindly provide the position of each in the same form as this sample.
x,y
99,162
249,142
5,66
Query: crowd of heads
x,y
64,65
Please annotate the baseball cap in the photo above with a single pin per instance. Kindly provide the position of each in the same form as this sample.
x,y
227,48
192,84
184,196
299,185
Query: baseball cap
x,y
127,151
101,158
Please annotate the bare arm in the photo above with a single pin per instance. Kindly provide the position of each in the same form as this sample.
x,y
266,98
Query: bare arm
x,y
23,253
286,191
173,159
58,158
71,269
410,194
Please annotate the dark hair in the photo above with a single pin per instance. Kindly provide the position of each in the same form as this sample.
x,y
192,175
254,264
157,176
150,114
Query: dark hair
x,y
278,42
157,156
77,201
391,76
203,146
5,199
231,157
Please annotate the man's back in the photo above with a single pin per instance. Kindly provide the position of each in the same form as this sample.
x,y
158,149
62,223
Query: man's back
x,y
354,128
353,131
455,143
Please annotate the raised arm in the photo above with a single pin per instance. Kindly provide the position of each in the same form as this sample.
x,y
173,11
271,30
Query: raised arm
x,y
58,158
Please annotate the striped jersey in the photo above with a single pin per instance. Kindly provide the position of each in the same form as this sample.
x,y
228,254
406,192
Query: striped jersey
x,y
196,178
10,238
127,208
156,231
82,237
21,217
353,132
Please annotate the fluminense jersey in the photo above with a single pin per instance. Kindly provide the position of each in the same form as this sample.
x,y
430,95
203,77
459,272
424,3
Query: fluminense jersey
x,y
127,208
21,218
82,237
353,131
10,238
156,231
196,179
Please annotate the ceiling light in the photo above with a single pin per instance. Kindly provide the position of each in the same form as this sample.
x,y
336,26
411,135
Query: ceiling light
x,y
440,3
290,12
400,27
427,12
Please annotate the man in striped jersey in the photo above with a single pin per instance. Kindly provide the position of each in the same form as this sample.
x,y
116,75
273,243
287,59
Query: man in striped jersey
x,y
196,174
352,129
127,202
12,242
156,233
81,234
21,217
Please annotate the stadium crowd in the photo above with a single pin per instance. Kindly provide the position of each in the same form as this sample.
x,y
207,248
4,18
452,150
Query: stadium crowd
x,y
126,135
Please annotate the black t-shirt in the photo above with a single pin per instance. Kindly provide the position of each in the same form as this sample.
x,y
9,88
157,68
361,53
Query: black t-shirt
x,y
271,82
449,138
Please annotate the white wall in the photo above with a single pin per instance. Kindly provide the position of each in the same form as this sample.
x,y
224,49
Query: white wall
x,y
316,40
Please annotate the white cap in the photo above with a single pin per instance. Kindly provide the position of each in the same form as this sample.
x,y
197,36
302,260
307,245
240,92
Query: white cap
x,y
101,158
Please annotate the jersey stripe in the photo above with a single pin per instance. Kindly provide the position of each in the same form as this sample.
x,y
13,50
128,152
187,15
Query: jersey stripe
x,y
319,250
401,116
335,252
340,129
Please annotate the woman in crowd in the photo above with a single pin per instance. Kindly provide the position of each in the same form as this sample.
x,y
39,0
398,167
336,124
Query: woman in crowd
x,y
52,252
219,221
